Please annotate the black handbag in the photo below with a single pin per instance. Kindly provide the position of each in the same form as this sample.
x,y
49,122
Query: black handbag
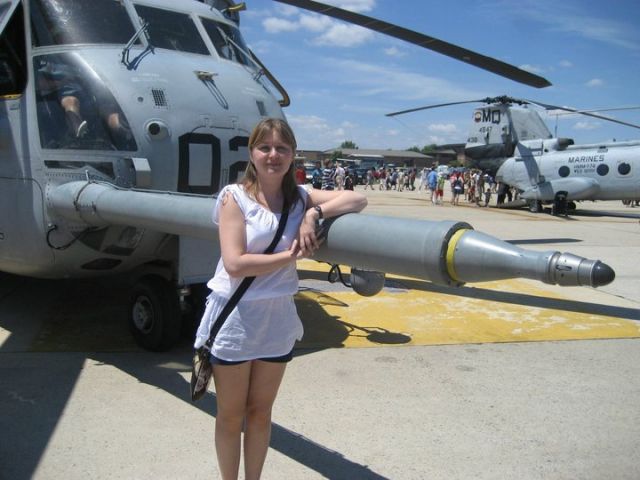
x,y
202,369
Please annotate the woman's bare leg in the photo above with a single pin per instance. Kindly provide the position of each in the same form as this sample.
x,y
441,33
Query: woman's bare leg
x,y
232,388
263,388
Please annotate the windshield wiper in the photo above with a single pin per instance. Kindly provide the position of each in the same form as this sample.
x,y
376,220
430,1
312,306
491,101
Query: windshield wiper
x,y
125,52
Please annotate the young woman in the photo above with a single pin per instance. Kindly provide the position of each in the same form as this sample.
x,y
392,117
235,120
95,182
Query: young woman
x,y
252,349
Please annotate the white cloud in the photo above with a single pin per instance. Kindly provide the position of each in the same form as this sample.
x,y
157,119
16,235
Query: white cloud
x,y
315,23
341,35
532,68
330,32
586,125
261,47
565,64
595,82
571,18
354,5
443,128
394,52
286,10
277,25
377,80
313,132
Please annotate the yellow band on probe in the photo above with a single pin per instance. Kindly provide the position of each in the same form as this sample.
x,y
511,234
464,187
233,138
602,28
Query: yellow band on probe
x,y
451,248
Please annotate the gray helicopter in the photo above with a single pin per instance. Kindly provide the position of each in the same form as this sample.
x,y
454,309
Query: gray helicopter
x,y
510,140
121,119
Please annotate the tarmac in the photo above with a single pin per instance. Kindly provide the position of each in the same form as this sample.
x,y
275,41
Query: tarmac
x,y
498,380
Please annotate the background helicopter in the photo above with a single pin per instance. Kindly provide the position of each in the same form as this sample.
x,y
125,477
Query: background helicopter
x,y
119,120
510,140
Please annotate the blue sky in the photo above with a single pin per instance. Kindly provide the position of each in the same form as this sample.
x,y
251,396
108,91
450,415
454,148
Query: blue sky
x,y
342,79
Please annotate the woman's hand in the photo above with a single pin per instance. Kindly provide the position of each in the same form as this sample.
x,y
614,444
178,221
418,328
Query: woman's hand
x,y
307,240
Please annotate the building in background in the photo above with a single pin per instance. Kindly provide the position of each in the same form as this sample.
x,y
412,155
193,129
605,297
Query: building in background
x,y
368,157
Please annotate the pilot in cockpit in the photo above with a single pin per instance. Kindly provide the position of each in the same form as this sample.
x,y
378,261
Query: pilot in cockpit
x,y
56,81
76,113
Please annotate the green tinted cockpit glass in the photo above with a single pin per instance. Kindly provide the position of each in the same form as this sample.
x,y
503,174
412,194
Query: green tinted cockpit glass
x,y
75,108
172,30
61,22
227,41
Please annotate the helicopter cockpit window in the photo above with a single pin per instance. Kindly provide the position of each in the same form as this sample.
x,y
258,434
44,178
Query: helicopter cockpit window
x,y
172,30
13,74
75,108
60,22
227,41
3,11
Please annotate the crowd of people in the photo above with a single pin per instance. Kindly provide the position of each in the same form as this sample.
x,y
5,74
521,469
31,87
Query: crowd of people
x,y
472,185
330,176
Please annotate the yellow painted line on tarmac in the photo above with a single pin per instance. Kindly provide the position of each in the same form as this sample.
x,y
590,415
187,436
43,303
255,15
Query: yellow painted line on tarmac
x,y
425,314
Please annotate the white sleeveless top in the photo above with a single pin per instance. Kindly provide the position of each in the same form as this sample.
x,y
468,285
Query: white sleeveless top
x,y
265,322
261,228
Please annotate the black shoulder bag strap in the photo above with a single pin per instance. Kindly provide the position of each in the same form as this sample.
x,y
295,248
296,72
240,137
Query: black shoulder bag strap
x,y
246,282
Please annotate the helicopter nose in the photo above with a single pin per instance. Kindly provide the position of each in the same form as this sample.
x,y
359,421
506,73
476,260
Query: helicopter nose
x,y
602,274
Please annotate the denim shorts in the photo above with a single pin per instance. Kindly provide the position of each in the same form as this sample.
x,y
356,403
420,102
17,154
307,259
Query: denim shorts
x,y
282,359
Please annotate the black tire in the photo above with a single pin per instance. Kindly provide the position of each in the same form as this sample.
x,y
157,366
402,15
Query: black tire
x,y
154,314
535,206
195,309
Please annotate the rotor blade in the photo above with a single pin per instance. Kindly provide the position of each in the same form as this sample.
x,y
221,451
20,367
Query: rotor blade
x,y
613,109
503,99
481,61
402,112
530,164
588,114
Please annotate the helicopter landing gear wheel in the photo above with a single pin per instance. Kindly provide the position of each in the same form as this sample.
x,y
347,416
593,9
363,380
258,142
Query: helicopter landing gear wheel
x,y
195,305
535,206
154,314
560,205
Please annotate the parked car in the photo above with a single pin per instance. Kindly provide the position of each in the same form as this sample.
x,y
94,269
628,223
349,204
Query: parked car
x,y
361,175
309,172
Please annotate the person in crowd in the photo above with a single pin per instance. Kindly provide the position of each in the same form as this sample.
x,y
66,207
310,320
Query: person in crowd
x,y
423,179
478,187
432,183
412,179
440,189
399,180
458,189
370,178
339,176
487,193
502,193
316,176
301,174
328,175
392,179
348,180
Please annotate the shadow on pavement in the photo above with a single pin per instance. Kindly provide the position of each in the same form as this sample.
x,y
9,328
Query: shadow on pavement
x,y
39,370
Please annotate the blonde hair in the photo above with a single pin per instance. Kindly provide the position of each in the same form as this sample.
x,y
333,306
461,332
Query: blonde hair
x,y
250,182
